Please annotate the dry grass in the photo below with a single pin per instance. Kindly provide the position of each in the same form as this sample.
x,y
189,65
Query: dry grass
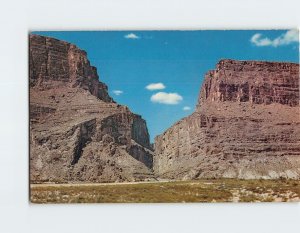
x,y
219,190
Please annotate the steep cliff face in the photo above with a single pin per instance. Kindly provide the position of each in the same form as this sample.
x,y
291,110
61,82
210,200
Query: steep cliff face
x,y
252,81
54,63
77,132
246,125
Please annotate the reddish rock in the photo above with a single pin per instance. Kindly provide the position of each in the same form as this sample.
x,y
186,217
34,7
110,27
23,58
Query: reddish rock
x,y
77,132
246,125
252,81
54,63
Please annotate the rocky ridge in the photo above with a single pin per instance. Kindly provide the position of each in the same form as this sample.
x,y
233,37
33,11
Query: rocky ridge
x,y
77,131
246,125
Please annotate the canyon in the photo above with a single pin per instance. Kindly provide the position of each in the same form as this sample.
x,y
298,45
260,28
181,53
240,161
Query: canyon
x,y
246,124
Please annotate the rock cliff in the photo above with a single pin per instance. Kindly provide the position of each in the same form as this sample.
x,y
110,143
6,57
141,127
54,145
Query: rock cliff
x,y
54,63
77,132
246,125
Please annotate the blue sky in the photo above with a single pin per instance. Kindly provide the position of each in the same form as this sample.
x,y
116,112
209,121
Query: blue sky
x,y
174,61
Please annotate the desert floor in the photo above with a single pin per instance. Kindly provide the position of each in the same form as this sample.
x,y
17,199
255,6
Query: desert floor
x,y
216,190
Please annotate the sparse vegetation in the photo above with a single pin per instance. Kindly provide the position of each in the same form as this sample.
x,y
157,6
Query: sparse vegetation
x,y
217,190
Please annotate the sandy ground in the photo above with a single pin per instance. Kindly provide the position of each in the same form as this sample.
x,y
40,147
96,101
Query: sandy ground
x,y
97,184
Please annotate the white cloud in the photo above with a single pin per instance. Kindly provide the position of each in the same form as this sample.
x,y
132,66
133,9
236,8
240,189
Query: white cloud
x,y
155,86
131,36
166,98
287,38
186,108
258,41
117,92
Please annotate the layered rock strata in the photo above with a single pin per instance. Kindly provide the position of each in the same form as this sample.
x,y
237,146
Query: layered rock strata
x,y
77,132
246,125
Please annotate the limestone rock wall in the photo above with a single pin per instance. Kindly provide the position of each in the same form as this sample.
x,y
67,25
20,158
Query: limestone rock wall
x,y
54,63
246,126
77,132
252,81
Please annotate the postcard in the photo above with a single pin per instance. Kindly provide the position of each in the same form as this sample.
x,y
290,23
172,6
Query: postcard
x,y
164,116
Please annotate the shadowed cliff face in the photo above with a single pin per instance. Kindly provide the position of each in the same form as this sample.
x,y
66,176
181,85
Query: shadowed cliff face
x,y
77,132
246,125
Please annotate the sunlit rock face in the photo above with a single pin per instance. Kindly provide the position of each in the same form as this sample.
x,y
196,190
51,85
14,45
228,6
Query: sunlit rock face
x,y
246,125
77,132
